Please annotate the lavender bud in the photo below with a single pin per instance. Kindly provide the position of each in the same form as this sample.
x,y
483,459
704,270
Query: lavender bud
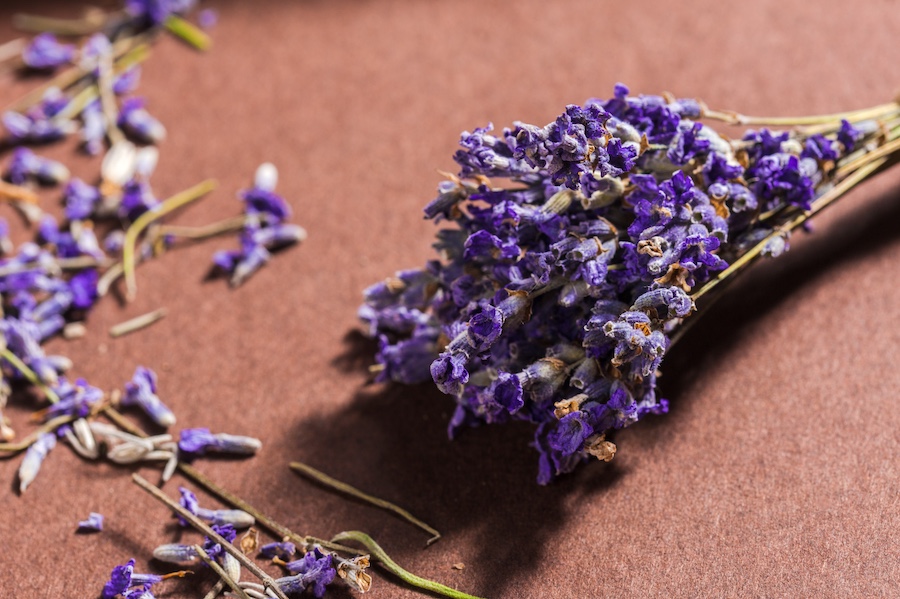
x,y
94,523
138,123
266,177
176,553
236,518
198,441
35,455
45,52
141,391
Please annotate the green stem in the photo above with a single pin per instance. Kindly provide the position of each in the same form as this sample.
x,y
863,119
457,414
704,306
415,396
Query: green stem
x,y
188,32
29,374
391,566
143,221
343,487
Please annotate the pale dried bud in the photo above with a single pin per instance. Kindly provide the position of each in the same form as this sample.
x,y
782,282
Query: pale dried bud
x,y
600,448
266,177
567,406
353,572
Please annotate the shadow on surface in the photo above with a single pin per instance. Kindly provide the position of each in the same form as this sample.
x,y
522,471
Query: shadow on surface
x,y
483,483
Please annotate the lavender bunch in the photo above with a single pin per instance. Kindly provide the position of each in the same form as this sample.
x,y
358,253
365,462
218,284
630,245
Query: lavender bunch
x,y
578,250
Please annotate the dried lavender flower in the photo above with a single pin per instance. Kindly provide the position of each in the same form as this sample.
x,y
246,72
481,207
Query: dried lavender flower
x,y
313,572
45,52
94,523
198,441
26,166
236,518
283,551
141,391
31,463
139,124
557,295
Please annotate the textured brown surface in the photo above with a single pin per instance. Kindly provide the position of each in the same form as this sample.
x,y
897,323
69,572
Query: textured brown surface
x,y
776,472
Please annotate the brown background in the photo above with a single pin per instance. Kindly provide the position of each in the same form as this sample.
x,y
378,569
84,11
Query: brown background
x,y
776,473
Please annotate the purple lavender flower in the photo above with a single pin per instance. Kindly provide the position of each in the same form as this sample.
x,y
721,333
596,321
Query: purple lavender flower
x,y
137,198
94,523
556,296
83,287
141,392
127,82
27,165
312,572
45,52
283,551
93,130
75,400
34,457
123,581
234,518
214,549
138,123
155,12
198,441
80,199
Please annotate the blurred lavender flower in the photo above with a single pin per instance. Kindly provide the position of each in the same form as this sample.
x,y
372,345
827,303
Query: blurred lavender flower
x,y
46,52
198,441
123,581
138,123
26,165
313,572
557,296
34,457
264,230
155,12
141,391
94,523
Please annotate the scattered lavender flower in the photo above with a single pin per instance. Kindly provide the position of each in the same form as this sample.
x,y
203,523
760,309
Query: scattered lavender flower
x,y
94,523
26,165
214,549
45,52
236,518
284,550
31,463
312,572
265,230
123,581
198,441
141,391
139,124
556,297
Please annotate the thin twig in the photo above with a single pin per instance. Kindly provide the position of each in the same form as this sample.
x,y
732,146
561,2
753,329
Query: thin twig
x,y
8,191
203,527
734,118
221,227
137,323
217,588
144,220
51,425
221,572
343,487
